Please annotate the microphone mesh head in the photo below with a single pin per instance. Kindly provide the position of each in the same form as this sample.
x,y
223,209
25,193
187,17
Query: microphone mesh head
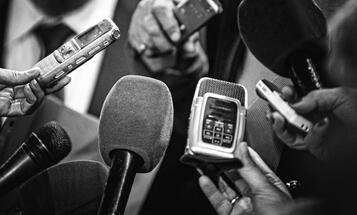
x,y
137,116
70,188
210,85
56,140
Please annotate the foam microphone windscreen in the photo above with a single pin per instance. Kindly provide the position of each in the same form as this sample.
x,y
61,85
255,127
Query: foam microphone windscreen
x,y
274,29
137,116
69,188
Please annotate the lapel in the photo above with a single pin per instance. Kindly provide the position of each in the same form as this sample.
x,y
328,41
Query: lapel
x,y
115,63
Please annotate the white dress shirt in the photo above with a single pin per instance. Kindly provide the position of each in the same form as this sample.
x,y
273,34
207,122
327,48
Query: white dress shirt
x,y
22,50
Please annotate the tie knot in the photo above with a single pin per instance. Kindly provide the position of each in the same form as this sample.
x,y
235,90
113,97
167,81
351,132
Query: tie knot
x,y
52,36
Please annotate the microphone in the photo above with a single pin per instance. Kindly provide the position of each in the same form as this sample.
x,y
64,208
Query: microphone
x,y
69,188
288,37
134,131
45,147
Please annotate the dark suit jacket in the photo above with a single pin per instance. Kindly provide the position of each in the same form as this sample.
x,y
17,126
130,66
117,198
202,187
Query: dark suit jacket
x,y
114,66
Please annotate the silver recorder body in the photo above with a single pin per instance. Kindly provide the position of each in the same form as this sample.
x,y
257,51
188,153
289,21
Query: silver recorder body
x,y
208,134
283,108
77,51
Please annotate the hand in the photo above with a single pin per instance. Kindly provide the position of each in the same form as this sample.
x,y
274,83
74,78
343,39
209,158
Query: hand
x,y
339,105
153,32
262,191
20,93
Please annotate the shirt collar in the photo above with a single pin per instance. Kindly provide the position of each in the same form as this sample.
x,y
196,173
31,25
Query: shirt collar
x,y
24,16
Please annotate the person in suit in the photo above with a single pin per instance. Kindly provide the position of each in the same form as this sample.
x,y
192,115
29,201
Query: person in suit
x,y
25,28
221,52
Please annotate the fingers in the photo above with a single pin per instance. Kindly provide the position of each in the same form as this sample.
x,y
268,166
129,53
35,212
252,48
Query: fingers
x,y
291,139
250,171
215,197
321,100
272,177
161,44
259,180
163,13
227,191
289,94
59,85
12,77
243,206
191,47
138,38
316,135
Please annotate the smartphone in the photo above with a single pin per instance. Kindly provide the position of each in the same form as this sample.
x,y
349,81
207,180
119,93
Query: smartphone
x,y
217,120
271,93
193,14
76,52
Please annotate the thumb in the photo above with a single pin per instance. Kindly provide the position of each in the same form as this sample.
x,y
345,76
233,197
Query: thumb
x,y
250,172
320,100
13,77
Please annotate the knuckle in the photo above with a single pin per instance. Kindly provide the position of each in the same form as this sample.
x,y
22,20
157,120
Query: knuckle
x,y
15,75
160,10
343,91
222,207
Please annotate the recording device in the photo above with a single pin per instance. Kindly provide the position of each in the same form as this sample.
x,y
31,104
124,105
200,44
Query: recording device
x,y
289,40
217,120
45,147
134,130
193,14
76,52
271,94
70,188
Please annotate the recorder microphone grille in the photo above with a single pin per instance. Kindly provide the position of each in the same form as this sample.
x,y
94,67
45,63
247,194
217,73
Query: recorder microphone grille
x,y
209,85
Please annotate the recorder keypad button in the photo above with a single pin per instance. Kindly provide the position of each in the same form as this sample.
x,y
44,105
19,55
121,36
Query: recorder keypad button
x,y
80,60
208,134
217,141
228,131
218,129
227,137
226,143
209,124
218,135
94,50
58,75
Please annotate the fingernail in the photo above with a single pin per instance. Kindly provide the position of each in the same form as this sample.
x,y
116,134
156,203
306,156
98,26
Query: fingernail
x,y
34,71
34,83
175,36
322,122
199,171
267,115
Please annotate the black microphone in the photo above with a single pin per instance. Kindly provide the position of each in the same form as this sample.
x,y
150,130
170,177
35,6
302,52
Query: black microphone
x,y
134,131
288,37
69,188
45,147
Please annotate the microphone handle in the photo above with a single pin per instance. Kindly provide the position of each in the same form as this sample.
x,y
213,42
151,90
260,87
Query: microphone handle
x,y
120,180
16,170
304,73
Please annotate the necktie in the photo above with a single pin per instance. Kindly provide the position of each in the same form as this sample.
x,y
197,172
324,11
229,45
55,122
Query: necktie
x,y
51,37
